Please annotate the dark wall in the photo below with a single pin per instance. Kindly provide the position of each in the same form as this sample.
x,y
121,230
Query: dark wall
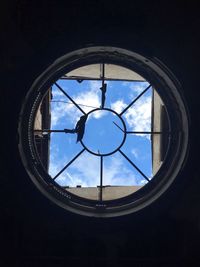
x,y
35,232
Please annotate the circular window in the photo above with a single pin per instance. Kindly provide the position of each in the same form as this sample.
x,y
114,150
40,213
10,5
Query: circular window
x,y
103,131
101,137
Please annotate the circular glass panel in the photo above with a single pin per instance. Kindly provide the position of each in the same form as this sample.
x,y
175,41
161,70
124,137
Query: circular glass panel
x,y
104,133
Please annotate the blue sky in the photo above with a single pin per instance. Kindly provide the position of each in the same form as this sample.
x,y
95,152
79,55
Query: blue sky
x,y
100,133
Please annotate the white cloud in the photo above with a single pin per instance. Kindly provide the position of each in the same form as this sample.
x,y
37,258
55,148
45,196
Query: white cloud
x,y
57,93
89,98
60,111
138,116
65,178
125,83
85,171
95,85
118,106
117,173
143,182
138,87
135,153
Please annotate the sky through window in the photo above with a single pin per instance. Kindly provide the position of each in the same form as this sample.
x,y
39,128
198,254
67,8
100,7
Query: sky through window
x,y
85,169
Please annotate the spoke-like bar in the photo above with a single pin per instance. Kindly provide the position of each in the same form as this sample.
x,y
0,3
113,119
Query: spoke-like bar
x,y
70,98
142,132
69,163
134,101
81,78
118,127
134,166
101,178
55,131
60,101
49,131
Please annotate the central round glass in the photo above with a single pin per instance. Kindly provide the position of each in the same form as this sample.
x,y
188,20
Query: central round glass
x,y
105,132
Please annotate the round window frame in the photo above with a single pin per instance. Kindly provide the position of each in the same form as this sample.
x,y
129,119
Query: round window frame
x,y
160,78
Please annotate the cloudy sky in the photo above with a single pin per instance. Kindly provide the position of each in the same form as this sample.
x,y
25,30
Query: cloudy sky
x,y
101,134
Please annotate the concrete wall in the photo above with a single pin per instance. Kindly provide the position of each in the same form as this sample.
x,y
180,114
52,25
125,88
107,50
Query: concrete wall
x,y
109,192
156,127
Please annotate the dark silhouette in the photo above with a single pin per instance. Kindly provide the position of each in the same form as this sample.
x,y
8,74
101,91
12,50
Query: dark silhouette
x,y
80,127
69,130
103,89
